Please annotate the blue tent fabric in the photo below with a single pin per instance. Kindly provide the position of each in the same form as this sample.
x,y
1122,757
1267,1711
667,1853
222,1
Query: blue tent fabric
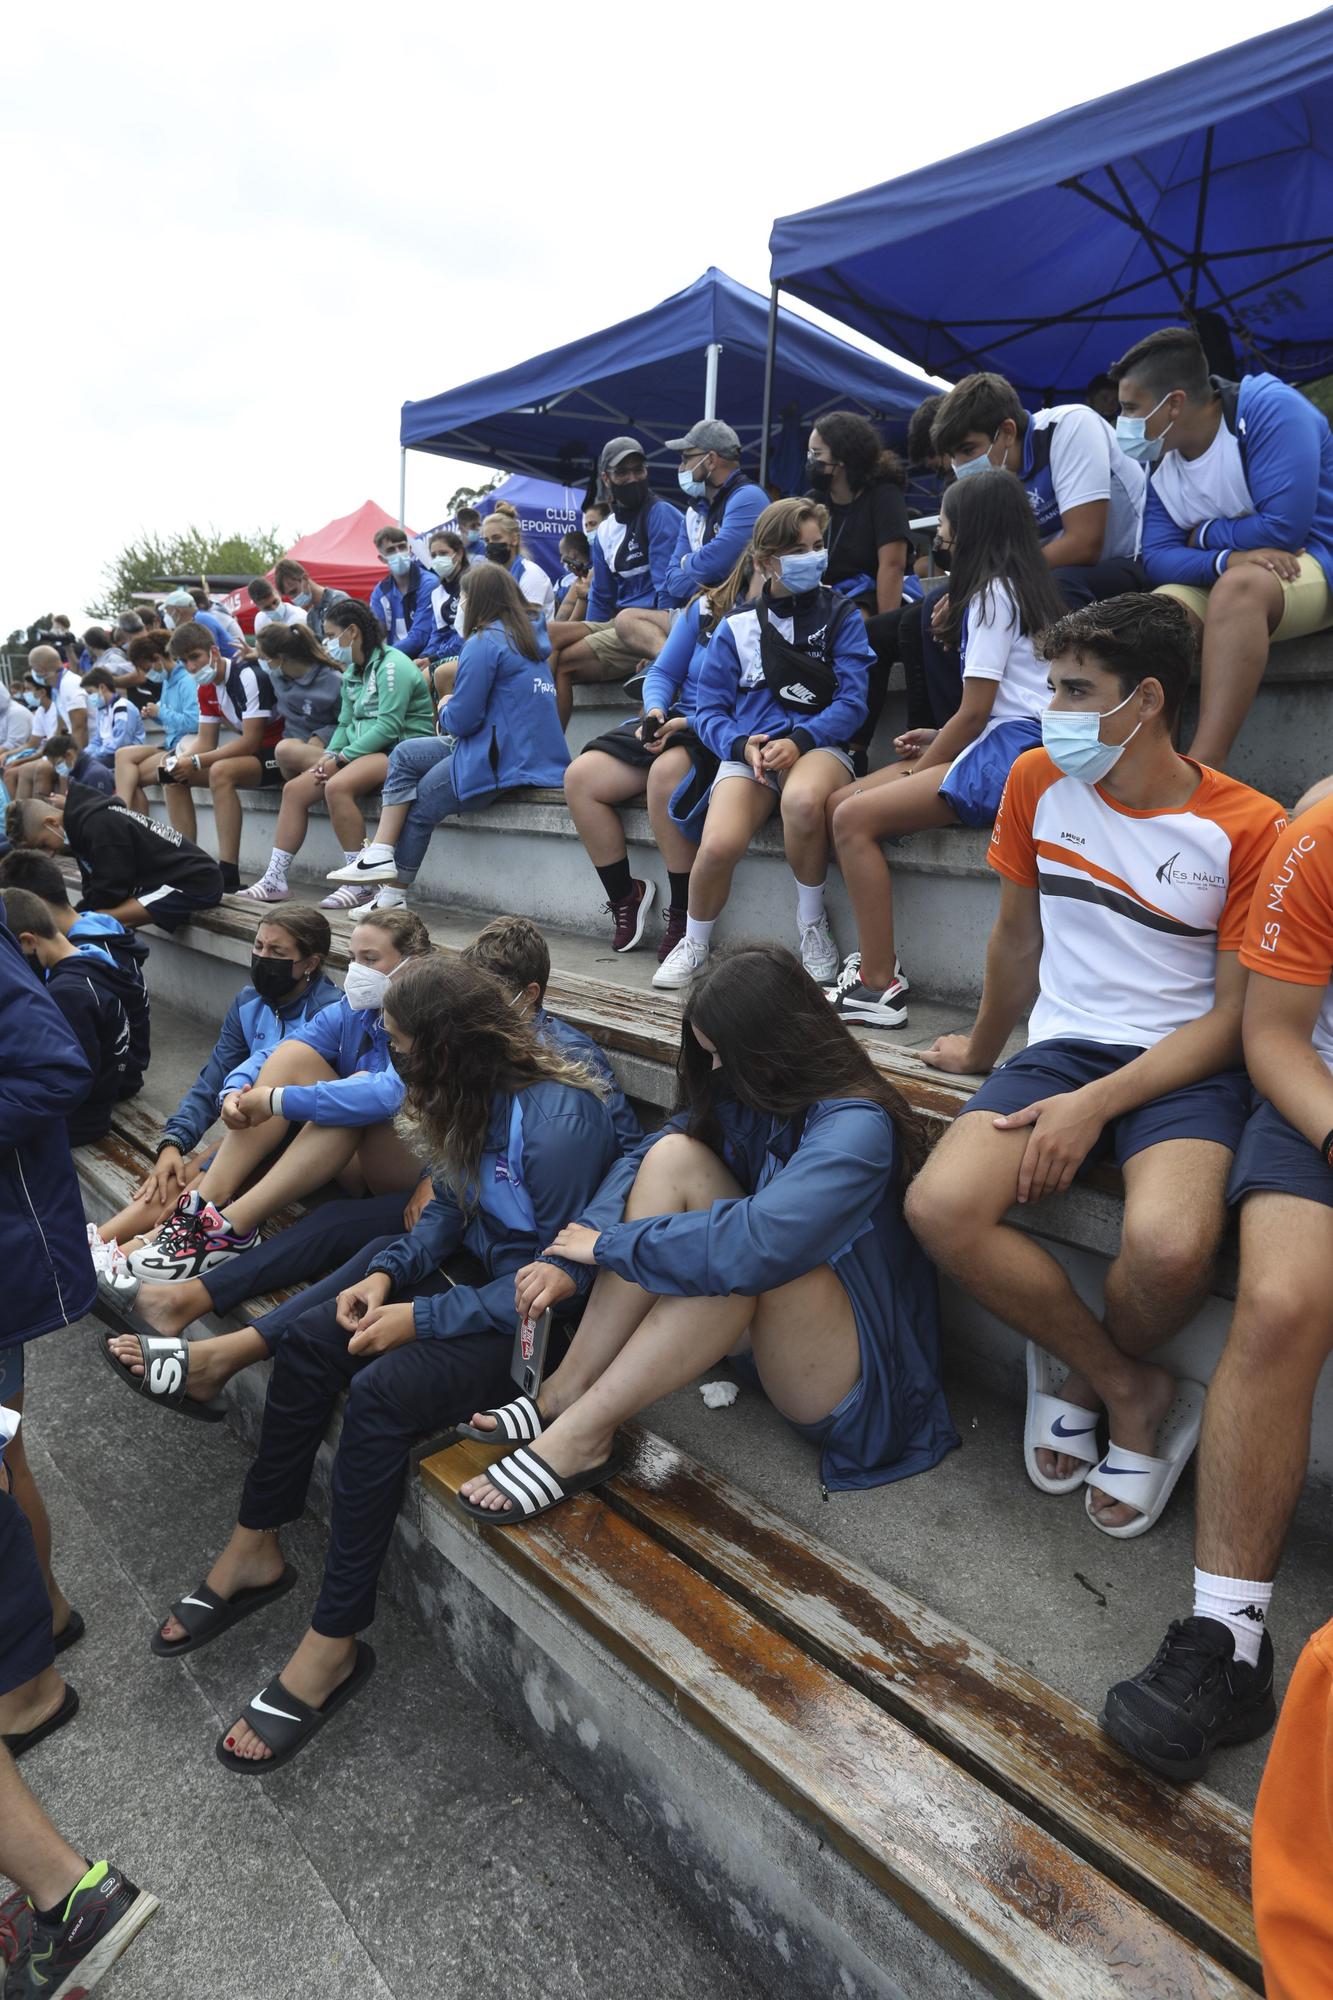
x,y
1204,193
552,415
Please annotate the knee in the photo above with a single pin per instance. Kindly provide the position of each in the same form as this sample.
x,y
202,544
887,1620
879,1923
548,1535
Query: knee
x,y
287,758
802,814
293,1062
1277,1323
220,779
1245,588
577,782
844,819
1168,1256
939,1215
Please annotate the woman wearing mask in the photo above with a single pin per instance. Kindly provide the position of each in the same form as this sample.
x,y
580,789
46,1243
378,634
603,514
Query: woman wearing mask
x,y
288,986
498,731
333,1076
502,537
764,1220
450,563
782,692
308,690
174,704
516,1135
384,700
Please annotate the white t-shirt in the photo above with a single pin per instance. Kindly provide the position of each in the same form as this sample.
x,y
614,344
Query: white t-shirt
x,y
286,614
16,720
67,697
995,649
45,722
536,586
1087,464
1208,488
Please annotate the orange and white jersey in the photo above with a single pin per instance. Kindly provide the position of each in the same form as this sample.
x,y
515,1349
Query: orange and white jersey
x,y
1290,932
1135,905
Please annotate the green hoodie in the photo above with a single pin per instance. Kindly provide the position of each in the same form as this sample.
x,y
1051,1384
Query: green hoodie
x,y
382,702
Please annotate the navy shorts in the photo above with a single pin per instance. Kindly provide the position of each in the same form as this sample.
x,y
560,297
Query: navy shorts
x,y
1274,1158
26,1645
11,1372
1214,1109
170,908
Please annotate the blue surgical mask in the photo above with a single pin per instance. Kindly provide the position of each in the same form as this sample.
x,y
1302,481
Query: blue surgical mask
x,y
693,487
804,570
62,770
1073,742
983,462
94,702
30,701
399,561
342,654
1131,434
155,674
444,566
204,677
302,598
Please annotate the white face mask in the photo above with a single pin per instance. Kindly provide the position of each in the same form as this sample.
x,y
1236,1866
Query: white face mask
x,y
366,987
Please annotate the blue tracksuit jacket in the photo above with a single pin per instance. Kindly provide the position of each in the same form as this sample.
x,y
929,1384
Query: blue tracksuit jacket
x,y
818,1190
640,581
672,681
251,1030
503,713
581,1048
733,701
713,536
389,606
368,1089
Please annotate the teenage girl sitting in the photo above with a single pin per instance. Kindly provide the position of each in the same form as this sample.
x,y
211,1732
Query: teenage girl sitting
x,y
656,753
1001,594
766,1216
782,692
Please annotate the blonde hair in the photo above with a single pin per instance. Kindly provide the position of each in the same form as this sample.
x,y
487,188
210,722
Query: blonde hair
x,y
778,530
503,519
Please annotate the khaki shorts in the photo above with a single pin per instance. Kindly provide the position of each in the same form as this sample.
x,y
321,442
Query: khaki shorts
x,y
1307,604
612,655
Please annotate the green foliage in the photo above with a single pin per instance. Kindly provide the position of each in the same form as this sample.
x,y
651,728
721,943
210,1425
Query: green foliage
x,y
192,552
1321,395
468,496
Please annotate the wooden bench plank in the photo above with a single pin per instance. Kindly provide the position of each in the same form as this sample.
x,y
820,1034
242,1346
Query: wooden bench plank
x,y
1184,1852
1000,1893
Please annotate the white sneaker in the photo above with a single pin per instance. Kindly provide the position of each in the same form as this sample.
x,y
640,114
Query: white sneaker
x,y
389,898
819,954
851,976
372,864
680,966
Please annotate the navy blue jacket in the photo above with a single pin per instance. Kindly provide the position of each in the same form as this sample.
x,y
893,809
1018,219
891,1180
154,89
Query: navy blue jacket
x,y
581,1048
640,579
49,1276
89,988
818,1190
527,1192
251,1030
128,949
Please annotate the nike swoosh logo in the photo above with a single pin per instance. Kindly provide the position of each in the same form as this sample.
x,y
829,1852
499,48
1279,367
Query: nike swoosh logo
x,y
265,1709
1061,1429
201,1602
1106,1466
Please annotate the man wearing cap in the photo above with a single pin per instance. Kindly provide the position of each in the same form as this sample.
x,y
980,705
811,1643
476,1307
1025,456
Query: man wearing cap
x,y
724,506
179,608
630,554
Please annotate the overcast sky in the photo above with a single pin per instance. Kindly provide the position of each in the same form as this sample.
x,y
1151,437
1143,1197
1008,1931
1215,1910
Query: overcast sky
x,y
238,240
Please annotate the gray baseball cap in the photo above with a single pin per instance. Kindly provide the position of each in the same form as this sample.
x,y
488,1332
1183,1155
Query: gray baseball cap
x,y
709,434
619,449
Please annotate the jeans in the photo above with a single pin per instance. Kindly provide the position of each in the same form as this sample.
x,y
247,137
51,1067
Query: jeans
x,y
392,1400
420,770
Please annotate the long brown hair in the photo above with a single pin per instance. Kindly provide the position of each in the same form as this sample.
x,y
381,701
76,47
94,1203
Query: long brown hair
x,y
467,1044
782,1049
491,596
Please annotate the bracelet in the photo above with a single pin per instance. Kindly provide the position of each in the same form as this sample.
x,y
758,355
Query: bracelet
x,y
275,1102
161,1148
1327,1150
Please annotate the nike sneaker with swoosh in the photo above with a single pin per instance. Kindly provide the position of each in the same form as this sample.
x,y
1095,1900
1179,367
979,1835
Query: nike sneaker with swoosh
x,y
1191,1697
104,1914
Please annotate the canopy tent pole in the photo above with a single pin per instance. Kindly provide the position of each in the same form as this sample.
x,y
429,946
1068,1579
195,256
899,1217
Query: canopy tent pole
x,y
769,360
711,353
402,487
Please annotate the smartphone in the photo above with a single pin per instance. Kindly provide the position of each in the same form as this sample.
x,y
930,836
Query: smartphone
x,y
529,1356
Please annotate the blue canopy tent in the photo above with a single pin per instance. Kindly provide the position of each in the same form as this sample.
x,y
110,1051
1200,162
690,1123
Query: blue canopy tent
x,y
704,350
545,513
1205,194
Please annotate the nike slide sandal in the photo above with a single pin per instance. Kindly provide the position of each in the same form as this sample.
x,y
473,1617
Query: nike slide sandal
x,y
1051,1424
28,1739
1137,1480
206,1616
286,1723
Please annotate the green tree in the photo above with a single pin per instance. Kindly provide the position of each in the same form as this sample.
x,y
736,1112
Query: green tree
x,y
192,552
468,496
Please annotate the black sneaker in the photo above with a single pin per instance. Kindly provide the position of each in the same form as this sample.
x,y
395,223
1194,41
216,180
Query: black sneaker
x,y
104,1914
1193,1696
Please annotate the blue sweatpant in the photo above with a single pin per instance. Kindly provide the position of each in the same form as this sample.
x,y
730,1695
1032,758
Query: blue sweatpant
x,y
333,1234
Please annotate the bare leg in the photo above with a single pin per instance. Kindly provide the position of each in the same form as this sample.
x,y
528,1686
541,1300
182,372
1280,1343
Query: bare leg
x,y
298,795
736,811
180,809
364,774
32,1853
806,790
315,1157
294,758
143,1214
224,779
594,785
241,1153
391,823
1244,606
645,631
676,850
860,818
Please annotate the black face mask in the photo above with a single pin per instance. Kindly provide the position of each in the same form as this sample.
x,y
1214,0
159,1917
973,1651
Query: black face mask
x,y
405,1062
627,498
817,475
941,555
273,978
498,552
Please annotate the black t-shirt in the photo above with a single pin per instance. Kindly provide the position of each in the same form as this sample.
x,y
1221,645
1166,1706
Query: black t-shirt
x,y
859,528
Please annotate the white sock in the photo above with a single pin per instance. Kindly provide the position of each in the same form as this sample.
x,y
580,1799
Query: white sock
x,y
809,903
351,854
375,850
698,931
1237,1603
278,864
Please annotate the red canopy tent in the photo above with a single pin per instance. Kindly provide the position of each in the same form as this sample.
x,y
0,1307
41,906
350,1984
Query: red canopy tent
x,y
342,554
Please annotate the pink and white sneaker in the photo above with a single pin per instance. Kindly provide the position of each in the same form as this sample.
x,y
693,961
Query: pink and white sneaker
x,y
188,1245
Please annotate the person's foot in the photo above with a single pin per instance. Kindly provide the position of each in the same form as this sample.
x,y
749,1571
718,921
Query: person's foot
x,y
819,954
316,1668
390,897
568,1447
195,1245
250,1561
352,896
1134,1423
873,1006
1075,1389
673,930
375,863
1192,1696
207,1378
29,1706
630,915
680,966
268,889
102,1915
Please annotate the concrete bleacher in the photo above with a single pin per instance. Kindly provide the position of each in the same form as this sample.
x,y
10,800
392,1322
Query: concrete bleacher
x,y
859,1793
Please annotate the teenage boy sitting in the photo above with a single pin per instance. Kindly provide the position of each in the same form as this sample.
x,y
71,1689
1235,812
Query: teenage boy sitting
x,y
402,599
1127,872
61,760
133,868
1212,1680
38,873
239,693
88,987
1239,521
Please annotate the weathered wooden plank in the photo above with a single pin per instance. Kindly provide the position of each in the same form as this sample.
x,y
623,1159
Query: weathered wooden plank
x,y
1000,1893
1185,1852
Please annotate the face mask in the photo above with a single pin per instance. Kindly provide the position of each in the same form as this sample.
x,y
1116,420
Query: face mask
x,y
628,497
983,462
444,566
817,475
94,702
203,677
941,554
62,770
804,570
302,598
30,701
272,978
692,481
342,654
1073,742
399,561
1131,435
155,674
365,987
498,552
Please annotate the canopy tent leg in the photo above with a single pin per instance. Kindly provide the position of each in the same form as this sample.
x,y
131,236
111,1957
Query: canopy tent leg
x,y
769,360
711,353
402,486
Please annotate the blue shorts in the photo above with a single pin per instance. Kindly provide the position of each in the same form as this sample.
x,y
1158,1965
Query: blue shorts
x,y
26,1645
1274,1158
744,1365
11,1372
975,781
1214,1109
